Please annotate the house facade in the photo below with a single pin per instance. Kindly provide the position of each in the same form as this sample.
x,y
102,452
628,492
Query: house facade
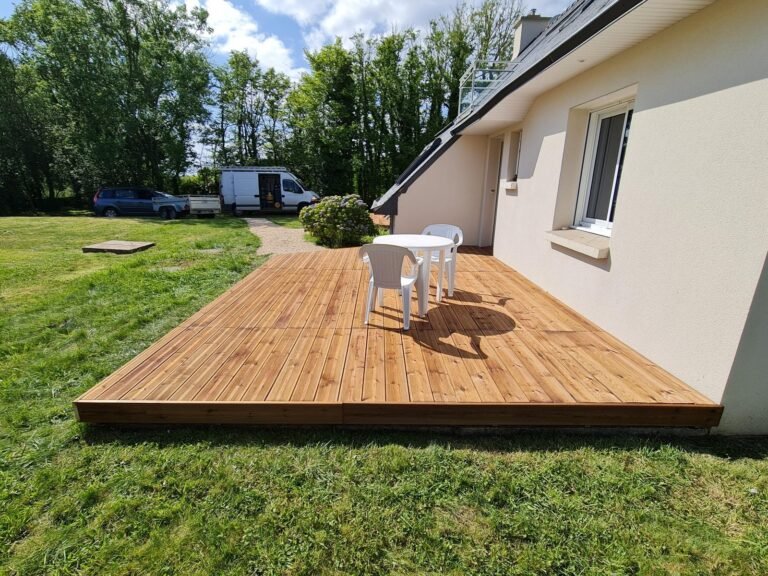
x,y
621,163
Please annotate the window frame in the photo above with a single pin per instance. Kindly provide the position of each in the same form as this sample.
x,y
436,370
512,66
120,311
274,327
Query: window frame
x,y
581,221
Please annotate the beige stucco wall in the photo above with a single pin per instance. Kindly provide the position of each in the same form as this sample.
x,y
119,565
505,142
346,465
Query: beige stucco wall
x,y
448,192
691,225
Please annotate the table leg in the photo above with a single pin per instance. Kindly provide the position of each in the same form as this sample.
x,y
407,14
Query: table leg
x,y
440,274
424,296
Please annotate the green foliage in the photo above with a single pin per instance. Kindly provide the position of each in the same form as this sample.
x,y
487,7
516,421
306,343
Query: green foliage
x,y
99,92
248,128
338,221
205,181
110,91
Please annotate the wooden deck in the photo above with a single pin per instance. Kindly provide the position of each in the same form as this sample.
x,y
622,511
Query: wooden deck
x,y
288,345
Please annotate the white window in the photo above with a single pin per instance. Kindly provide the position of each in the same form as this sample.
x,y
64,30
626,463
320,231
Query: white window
x,y
607,137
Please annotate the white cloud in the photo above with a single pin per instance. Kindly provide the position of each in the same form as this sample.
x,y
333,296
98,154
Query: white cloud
x,y
303,11
234,29
323,20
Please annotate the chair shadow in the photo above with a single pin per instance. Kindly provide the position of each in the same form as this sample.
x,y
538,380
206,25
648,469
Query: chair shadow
x,y
459,316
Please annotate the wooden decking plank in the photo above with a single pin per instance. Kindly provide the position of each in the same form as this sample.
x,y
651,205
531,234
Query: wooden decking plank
x,y
616,383
506,383
545,379
317,314
659,390
395,372
579,382
287,379
229,382
199,374
351,299
648,368
160,349
517,369
462,384
309,379
333,370
153,367
247,372
439,380
416,371
263,381
468,347
354,367
161,383
374,378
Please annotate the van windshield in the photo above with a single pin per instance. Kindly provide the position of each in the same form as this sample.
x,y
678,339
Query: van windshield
x,y
300,183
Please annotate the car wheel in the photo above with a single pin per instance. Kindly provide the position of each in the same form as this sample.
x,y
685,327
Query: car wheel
x,y
168,213
110,212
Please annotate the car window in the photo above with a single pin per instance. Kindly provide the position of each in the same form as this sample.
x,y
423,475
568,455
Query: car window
x,y
144,194
107,194
291,186
125,194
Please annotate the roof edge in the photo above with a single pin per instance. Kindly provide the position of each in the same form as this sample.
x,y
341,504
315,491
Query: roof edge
x,y
602,21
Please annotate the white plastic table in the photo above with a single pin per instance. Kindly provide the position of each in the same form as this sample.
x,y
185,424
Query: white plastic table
x,y
425,244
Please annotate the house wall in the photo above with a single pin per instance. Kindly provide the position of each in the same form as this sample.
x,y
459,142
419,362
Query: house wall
x,y
448,192
690,234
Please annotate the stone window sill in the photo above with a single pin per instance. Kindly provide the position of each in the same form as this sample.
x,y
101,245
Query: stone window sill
x,y
592,245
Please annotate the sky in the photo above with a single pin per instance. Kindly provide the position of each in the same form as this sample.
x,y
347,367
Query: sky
x,y
278,32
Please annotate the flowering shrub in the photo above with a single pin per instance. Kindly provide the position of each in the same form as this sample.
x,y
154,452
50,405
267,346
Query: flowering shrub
x,y
338,221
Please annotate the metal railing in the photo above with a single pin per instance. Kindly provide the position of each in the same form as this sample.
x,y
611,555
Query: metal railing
x,y
481,80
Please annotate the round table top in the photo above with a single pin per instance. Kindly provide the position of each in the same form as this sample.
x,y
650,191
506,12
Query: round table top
x,y
415,241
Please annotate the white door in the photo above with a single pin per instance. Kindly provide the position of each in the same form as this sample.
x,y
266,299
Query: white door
x,y
490,191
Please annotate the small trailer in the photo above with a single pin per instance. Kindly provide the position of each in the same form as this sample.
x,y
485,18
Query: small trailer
x,y
204,206
263,189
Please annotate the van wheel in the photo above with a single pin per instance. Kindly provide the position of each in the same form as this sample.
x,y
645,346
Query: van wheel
x,y
110,212
167,213
301,207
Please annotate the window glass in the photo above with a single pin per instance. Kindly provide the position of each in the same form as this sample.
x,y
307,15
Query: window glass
x,y
144,194
604,168
291,186
603,162
125,194
107,194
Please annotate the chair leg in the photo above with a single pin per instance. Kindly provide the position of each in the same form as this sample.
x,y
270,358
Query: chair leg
x,y
451,276
379,297
407,308
369,303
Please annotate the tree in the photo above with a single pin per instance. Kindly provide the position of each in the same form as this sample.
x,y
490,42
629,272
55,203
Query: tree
x,y
127,82
322,119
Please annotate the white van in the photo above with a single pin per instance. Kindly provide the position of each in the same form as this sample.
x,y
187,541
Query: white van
x,y
263,189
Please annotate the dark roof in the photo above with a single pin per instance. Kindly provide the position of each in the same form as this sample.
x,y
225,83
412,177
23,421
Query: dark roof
x,y
564,32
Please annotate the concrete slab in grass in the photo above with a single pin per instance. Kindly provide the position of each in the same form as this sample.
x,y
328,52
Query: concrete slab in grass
x,y
118,247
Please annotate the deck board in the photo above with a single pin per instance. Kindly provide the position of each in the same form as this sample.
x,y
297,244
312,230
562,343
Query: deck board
x,y
288,344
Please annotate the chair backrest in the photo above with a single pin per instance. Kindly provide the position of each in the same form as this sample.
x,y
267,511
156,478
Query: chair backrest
x,y
446,231
386,263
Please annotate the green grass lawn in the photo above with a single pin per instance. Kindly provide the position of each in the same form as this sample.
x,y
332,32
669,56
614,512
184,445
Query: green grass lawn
x,y
287,220
102,501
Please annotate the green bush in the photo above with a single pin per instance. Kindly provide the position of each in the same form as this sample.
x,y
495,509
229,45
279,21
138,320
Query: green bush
x,y
338,221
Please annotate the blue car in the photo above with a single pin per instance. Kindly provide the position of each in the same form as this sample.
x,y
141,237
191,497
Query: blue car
x,y
135,201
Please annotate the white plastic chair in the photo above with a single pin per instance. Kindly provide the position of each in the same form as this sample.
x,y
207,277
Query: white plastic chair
x,y
454,233
385,263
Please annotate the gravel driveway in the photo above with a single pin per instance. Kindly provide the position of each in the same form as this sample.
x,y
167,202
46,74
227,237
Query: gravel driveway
x,y
277,239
